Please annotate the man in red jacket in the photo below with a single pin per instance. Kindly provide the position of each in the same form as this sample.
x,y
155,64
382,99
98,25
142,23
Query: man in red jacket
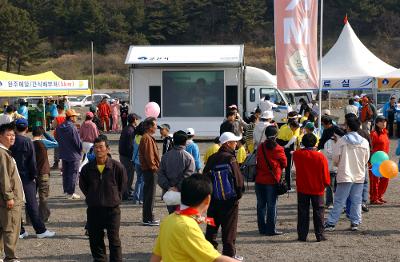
x,y
311,180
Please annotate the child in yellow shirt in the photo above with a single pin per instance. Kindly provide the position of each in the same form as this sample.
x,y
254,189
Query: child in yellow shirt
x,y
212,150
180,238
241,152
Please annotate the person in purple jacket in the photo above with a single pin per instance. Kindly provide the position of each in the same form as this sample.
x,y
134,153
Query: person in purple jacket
x,y
70,148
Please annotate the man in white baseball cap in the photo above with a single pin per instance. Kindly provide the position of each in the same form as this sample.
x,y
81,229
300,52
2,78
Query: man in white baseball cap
x,y
258,133
229,137
225,209
193,148
357,101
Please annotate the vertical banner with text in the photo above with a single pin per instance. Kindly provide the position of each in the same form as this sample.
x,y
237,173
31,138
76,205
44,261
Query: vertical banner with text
x,y
296,45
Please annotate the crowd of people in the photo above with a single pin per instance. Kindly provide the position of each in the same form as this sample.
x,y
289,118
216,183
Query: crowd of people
x,y
195,191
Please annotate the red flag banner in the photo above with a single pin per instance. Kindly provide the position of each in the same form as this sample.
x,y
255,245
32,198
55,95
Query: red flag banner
x,y
296,47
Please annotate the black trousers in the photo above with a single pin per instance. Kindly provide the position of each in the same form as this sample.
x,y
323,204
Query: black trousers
x,y
32,208
225,214
303,218
398,129
98,219
130,171
149,194
288,169
390,126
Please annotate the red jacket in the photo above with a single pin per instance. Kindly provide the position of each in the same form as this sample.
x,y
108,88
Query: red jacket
x,y
380,142
277,160
312,172
104,109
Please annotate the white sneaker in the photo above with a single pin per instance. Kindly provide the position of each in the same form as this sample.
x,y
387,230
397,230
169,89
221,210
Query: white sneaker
x,y
23,235
238,258
73,197
46,234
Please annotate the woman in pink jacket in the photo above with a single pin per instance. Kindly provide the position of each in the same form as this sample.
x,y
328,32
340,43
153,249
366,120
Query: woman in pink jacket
x,y
115,114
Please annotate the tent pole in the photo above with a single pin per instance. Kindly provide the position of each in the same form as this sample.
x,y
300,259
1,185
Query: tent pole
x,y
44,113
320,65
375,92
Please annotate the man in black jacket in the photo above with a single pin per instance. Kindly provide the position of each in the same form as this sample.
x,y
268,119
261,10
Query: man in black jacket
x,y
125,149
329,131
24,154
103,182
168,141
175,165
225,212
227,125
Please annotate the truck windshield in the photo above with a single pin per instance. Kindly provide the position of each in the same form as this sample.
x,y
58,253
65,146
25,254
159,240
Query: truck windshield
x,y
274,95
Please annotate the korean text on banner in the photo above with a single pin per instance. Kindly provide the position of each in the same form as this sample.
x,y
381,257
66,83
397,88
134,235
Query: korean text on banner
x,y
296,43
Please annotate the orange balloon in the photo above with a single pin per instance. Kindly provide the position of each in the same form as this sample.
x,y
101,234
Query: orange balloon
x,y
389,169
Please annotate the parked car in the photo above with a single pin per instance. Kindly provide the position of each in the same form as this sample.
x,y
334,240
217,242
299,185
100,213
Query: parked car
x,y
294,96
32,101
384,96
121,96
82,101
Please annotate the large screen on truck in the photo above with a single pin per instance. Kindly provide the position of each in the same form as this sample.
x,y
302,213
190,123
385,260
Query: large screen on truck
x,y
193,94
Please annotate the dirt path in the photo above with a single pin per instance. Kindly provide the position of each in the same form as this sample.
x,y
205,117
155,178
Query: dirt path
x,y
377,240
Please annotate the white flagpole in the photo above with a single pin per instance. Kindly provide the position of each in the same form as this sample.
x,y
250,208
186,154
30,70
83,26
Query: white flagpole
x,y
320,65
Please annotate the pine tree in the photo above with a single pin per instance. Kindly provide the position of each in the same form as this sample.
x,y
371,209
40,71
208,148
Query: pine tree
x,y
18,35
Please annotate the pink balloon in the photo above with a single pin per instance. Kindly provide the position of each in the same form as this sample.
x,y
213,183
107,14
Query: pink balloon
x,y
152,109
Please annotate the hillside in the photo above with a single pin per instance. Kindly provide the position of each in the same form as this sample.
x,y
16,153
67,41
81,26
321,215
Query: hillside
x,y
112,73
40,35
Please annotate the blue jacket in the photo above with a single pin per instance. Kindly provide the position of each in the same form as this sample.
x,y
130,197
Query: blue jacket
x,y
23,152
49,141
397,109
386,109
193,149
70,144
23,110
135,156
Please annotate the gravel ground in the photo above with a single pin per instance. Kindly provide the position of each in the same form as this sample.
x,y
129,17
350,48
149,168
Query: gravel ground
x,y
377,240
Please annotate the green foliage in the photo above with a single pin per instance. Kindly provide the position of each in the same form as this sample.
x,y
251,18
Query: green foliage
x,y
18,35
53,28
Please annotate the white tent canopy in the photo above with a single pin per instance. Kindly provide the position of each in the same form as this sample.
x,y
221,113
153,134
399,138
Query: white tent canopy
x,y
350,65
393,74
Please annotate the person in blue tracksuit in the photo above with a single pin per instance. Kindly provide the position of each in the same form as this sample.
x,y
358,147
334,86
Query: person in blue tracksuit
x,y
389,111
193,149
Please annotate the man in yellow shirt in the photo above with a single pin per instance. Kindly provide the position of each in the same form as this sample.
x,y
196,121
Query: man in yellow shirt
x,y
307,112
180,238
287,136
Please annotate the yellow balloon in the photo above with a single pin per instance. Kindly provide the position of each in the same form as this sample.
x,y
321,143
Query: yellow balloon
x,y
389,169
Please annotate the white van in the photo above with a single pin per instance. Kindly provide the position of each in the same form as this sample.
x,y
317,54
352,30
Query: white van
x,y
259,83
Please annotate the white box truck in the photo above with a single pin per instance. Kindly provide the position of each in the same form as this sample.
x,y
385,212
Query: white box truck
x,y
194,85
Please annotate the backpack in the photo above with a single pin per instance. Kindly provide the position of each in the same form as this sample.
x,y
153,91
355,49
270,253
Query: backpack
x,y
223,182
249,167
90,155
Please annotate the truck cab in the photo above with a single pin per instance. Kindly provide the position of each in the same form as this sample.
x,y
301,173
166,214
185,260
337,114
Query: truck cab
x,y
259,83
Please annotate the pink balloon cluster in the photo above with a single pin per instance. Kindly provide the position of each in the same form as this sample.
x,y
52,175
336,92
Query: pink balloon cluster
x,y
152,109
